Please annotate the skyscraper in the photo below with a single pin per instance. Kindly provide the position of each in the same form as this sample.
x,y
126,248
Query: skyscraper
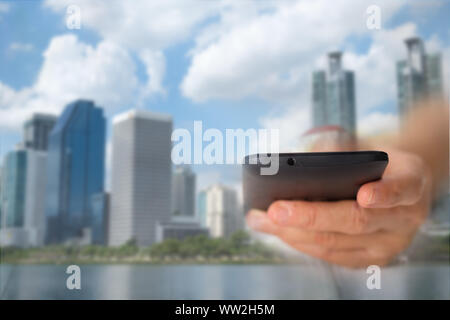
x,y
419,76
333,95
76,153
35,194
36,131
183,192
22,198
14,188
141,176
223,216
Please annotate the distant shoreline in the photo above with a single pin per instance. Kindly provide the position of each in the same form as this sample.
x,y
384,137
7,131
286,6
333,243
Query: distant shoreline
x,y
137,261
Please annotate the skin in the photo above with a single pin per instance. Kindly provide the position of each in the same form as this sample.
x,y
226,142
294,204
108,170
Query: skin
x,y
382,221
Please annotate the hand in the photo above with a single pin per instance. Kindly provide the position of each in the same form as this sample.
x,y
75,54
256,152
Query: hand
x,y
376,227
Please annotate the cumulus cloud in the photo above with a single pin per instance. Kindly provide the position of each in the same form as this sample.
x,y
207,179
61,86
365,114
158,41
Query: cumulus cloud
x,y
141,24
291,123
72,69
272,54
155,64
377,123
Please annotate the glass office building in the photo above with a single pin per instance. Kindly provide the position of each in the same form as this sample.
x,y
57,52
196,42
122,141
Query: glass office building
x,y
333,95
76,154
13,189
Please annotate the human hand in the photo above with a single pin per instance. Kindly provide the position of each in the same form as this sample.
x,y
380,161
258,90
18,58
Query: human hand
x,y
372,229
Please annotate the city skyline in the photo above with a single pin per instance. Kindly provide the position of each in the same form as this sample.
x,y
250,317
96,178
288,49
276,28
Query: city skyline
x,y
27,219
75,124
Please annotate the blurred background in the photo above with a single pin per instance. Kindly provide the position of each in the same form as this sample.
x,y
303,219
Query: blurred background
x,y
90,92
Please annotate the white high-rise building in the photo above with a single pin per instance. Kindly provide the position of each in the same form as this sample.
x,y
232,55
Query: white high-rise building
x,y
35,194
141,176
223,216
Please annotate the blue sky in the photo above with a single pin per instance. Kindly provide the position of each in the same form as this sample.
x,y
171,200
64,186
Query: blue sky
x,y
231,64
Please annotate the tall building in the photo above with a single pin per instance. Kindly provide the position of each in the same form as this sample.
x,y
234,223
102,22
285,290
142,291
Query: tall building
x,y
183,192
35,194
333,95
419,76
76,154
36,131
141,176
223,216
14,188
22,198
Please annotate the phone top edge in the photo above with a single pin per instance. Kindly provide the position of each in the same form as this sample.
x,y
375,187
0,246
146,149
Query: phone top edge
x,y
378,155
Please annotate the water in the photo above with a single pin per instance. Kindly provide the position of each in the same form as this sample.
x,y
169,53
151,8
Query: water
x,y
223,282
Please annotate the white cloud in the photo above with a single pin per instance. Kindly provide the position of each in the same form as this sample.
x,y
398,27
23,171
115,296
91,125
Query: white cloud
x,y
19,46
377,123
155,65
271,55
375,70
141,24
291,123
145,27
72,69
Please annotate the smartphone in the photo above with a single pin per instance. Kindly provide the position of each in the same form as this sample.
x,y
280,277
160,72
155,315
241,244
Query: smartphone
x,y
313,176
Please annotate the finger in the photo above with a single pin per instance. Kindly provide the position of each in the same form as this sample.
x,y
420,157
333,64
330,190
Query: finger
x,y
339,216
259,221
356,258
392,190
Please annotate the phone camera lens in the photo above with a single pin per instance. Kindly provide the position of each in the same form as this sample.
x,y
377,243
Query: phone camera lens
x,y
291,161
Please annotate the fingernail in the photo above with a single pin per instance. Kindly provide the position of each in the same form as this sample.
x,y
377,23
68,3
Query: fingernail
x,y
282,215
255,220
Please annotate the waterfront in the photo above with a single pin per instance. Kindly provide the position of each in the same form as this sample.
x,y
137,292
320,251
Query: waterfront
x,y
306,281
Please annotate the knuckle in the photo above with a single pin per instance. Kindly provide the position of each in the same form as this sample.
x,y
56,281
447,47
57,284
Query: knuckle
x,y
325,239
309,217
359,219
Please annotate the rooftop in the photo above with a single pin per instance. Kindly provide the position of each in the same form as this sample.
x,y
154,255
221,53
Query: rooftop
x,y
142,114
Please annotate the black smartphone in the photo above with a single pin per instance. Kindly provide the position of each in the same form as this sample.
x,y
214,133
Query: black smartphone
x,y
314,176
